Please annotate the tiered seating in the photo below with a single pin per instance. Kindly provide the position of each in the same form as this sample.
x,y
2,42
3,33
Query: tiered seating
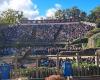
x,y
45,33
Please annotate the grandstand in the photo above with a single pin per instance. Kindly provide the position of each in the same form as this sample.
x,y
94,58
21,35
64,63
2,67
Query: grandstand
x,y
44,34
45,43
42,37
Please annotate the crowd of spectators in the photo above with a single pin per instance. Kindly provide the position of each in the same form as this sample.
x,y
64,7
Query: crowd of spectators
x,y
16,33
45,33
60,32
73,31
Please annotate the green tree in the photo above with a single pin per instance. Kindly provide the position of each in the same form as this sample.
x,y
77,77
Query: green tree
x,y
59,14
94,16
97,11
10,16
66,13
83,16
75,12
91,17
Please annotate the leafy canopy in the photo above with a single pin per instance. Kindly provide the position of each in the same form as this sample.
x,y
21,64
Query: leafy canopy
x,y
10,16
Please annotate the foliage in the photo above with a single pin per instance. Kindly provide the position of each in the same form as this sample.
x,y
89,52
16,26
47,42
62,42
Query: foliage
x,y
59,14
10,16
83,16
97,20
96,36
92,32
95,15
76,13
42,71
46,71
85,45
83,40
91,17
97,40
73,12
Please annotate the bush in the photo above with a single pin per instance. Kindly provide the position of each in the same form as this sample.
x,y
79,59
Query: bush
x,y
92,32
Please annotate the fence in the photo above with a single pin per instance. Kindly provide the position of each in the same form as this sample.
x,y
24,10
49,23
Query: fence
x,y
42,72
33,72
45,72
